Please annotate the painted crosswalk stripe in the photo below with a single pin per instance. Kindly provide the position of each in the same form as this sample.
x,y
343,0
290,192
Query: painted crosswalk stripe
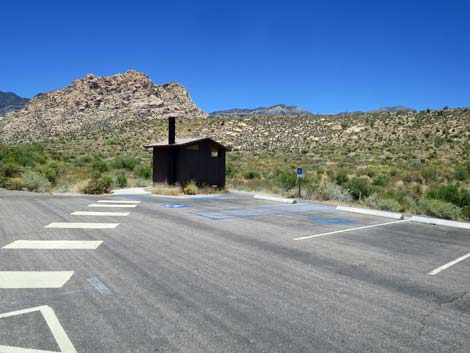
x,y
111,205
34,279
67,225
55,244
118,201
104,214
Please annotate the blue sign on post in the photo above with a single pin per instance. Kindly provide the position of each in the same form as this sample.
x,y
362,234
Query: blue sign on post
x,y
299,178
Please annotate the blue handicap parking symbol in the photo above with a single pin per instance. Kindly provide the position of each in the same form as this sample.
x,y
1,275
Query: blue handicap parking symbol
x,y
331,220
177,205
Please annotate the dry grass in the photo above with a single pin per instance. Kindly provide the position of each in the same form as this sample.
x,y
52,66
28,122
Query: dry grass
x,y
167,190
188,189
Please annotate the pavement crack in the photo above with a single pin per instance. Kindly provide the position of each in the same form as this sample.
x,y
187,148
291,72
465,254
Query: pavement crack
x,y
456,298
426,316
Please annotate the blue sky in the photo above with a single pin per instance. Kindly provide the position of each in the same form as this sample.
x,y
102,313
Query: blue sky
x,y
325,56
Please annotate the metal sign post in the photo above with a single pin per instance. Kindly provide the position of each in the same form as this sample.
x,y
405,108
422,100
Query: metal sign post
x,y
299,178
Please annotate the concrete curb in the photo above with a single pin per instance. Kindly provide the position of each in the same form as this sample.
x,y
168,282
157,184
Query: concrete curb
x,y
274,198
440,222
369,212
130,191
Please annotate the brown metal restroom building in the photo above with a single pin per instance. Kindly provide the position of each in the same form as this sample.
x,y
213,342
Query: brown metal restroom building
x,y
201,160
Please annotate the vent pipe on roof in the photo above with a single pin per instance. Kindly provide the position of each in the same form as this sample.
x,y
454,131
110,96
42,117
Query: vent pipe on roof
x,y
171,130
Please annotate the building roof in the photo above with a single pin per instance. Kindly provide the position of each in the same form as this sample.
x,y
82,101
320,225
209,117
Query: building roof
x,y
183,142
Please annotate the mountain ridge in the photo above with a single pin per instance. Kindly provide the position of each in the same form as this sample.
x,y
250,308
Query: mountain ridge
x,y
273,110
10,102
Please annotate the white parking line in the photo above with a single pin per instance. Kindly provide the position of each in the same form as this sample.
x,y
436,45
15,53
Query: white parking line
x,y
61,338
117,201
351,229
67,225
104,214
55,244
34,279
111,205
446,266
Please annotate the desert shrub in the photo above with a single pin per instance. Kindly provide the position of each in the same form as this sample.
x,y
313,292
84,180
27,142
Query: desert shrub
x,y
231,170
143,171
26,155
51,172
466,213
437,208
341,178
86,159
430,174
390,205
128,163
10,170
450,193
190,188
331,191
284,179
98,184
34,181
251,175
381,180
16,183
462,172
99,166
121,181
359,188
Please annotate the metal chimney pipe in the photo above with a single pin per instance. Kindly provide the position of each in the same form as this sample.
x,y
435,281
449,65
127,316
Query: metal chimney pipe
x,y
171,130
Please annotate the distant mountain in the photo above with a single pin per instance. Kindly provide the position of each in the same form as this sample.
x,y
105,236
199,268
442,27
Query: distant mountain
x,y
395,109
275,110
9,102
93,102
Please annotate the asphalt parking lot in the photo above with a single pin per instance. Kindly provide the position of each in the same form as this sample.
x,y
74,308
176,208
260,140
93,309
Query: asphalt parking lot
x,y
225,274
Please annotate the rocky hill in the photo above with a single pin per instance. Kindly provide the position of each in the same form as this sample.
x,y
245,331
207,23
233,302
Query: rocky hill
x,y
10,102
275,110
92,103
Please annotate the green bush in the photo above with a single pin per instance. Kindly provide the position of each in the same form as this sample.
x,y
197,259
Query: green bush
x,y
121,181
462,172
98,184
51,172
466,213
26,155
286,180
86,159
341,179
99,166
143,171
33,181
450,193
10,170
390,205
381,180
128,163
231,170
437,208
430,174
251,175
359,188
